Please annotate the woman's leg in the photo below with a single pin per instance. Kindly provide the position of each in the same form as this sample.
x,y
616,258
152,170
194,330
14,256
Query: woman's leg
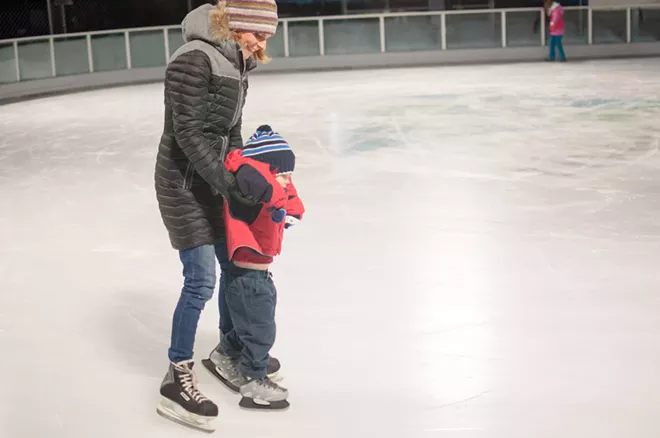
x,y
198,286
226,324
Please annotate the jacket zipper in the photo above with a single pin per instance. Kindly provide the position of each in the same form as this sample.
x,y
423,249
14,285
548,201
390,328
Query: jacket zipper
x,y
240,89
223,150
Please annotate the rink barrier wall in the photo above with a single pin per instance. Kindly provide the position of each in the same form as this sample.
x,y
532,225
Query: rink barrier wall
x,y
37,66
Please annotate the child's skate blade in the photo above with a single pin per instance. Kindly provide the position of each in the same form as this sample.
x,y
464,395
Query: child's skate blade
x,y
173,412
210,367
260,405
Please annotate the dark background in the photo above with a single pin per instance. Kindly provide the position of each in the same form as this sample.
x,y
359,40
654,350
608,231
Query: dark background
x,y
20,18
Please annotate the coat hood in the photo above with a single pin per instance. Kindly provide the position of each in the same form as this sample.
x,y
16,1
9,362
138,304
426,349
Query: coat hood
x,y
208,23
197,25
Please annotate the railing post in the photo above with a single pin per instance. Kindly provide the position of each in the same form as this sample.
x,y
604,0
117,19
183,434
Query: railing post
x,y
381,27
543,36
63,18
628,25
286,38
590,24
53,68
49,6
166,36
127,45
18,67
90,56
321,38
503,20
443,30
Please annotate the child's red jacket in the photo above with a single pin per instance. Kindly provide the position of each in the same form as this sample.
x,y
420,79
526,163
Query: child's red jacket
x,y
253,227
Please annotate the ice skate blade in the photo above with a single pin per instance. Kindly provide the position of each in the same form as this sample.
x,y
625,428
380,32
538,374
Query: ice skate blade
x,y
175,413
248,403
210,367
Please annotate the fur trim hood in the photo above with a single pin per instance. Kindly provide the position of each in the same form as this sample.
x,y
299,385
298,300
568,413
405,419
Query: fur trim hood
x,y
210,24
207,23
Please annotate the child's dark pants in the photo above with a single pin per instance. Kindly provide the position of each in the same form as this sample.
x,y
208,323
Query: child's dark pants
x,y
251,298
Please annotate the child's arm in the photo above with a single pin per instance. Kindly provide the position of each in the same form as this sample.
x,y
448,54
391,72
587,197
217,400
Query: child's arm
x,y
262,185
255,181
294,207
252,183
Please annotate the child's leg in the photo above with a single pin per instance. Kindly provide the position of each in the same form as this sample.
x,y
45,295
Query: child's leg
x,y
560,45
252,298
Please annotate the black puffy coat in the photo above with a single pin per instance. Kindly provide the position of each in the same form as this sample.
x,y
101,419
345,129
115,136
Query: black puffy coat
x,y
205,88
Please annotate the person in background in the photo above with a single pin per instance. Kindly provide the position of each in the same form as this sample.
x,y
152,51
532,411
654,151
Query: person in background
x,y
556,13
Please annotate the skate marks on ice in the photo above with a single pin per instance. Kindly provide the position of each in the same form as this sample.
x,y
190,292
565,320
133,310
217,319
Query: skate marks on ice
x,y
495,180
136,327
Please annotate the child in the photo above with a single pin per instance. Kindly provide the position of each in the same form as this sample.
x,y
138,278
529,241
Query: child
x,y
254,236
556,13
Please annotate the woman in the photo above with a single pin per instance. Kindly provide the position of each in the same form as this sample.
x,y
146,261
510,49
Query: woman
x,y
205,88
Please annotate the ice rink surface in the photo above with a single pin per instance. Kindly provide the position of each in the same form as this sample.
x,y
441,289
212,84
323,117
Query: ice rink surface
x,y
479,257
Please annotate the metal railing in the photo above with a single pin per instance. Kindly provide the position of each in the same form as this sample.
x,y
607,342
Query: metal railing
x,y
78,53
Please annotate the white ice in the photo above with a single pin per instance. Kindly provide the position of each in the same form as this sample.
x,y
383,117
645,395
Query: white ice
x,y
479,258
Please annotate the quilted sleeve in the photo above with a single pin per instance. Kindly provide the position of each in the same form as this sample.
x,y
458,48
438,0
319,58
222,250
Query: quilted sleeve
x,y
188,80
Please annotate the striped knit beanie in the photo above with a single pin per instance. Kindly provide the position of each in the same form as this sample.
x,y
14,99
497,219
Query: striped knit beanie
x,y
255,16
270,147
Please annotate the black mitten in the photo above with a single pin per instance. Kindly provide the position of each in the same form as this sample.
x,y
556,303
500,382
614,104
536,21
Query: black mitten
x,y
252,184
236,196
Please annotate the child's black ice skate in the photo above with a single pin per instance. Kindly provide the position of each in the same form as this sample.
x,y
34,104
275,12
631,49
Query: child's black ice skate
x,y
263,394
182,402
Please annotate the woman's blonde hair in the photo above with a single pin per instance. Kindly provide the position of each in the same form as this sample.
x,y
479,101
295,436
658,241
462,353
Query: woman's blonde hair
x,y
221,32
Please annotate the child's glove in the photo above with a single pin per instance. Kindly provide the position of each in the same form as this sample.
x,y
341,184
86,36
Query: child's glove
x,y
277,214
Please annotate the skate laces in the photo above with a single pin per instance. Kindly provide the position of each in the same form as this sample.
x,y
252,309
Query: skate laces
x,y
232,364
266,382
189,384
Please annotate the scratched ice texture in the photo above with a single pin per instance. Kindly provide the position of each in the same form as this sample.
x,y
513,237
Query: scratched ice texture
x,y
479,257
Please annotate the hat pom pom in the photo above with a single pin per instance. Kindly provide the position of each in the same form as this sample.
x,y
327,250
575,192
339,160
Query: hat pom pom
x,y
264,128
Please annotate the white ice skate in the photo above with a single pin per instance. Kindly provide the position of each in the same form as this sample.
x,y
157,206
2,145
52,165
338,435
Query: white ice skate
x,y
263,394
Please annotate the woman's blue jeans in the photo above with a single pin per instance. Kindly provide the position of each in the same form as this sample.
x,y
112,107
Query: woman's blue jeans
x,y
199,272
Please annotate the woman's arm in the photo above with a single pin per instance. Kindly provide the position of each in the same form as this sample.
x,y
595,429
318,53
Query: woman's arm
x,y
188,79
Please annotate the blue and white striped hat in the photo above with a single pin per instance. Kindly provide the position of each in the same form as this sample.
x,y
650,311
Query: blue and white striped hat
x,y
269,147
